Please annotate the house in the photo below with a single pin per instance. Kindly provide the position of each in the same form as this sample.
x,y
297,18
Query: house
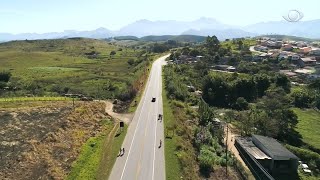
x,y
185,59
307,61
231,69
288,73
199,58
266,156
315,51
301,44
261,48
287,47
221,67
264,56
284,55
295,57
305,50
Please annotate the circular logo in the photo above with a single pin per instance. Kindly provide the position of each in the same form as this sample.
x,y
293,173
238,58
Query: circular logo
x,y
293,16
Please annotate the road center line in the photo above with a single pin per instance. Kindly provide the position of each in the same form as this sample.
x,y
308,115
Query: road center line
x,y
155,136
135,131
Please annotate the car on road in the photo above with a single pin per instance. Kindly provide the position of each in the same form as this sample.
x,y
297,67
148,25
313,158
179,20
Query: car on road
x,y
153,99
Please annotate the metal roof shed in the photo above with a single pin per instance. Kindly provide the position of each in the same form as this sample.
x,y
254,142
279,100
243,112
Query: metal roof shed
x,y
273,148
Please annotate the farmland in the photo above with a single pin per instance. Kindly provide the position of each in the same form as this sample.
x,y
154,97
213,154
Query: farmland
x,y
308,126
43,141
54,67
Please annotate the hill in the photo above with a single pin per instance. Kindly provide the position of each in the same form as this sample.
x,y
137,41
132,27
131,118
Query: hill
x,y
290,38
180,38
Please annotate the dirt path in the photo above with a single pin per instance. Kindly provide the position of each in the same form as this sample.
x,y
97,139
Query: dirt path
x,y
231,147
126,118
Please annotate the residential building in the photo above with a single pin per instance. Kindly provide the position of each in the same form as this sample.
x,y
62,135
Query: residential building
x,y
305,50
287,47
307,61
315,51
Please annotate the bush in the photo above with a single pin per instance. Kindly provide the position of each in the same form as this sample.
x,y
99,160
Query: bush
x,y
206,160
312,158
5,76
112,53
130,62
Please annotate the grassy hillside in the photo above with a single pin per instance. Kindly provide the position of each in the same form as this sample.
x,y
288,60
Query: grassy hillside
x,y
77,65
180,38
292,38
308,126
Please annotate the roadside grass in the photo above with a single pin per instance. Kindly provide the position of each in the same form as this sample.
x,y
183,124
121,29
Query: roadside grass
x,y
86,165
17,99
308,126
173,166
111,151
98,154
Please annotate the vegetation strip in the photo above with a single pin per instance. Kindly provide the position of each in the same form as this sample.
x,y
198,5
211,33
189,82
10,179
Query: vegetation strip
x,y
173,166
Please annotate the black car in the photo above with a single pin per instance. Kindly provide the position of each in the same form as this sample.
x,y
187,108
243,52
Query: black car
x,y
153,100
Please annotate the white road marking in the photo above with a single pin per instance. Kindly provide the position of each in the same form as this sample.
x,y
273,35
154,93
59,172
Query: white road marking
x,y
155,138
134,134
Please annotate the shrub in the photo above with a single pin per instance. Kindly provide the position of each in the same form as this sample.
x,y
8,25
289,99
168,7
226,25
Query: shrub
x,y
5,76
130,62
112,53
312,158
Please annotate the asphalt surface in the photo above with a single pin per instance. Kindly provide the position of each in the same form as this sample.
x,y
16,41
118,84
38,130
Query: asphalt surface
x,y
143,158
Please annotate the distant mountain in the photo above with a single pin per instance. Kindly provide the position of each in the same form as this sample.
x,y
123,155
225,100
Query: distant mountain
x,y
221,34
146,27
98,34
201,27
308,29
181,38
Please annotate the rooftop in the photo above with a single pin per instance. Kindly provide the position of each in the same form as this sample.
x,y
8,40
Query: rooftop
x,y
274,148
252,149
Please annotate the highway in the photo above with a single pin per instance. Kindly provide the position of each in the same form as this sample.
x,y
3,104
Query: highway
x,y
143,158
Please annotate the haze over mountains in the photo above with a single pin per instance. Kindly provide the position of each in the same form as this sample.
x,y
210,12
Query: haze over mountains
x,y
202,27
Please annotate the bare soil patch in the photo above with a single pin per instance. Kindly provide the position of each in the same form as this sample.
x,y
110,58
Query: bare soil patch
x,y
43,142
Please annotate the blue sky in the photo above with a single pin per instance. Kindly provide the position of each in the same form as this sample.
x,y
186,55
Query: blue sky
x,y
17,16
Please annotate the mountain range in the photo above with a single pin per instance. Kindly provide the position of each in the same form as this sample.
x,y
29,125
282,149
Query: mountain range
x,y
202,27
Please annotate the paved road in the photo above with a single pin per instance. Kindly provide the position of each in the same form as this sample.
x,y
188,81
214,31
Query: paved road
x,y
143,159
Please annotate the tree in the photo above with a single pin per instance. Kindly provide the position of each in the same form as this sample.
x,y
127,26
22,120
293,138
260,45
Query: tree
x,y
262,84
212,44
240,45
282,80
302,98
112,53
216,90
241,104
5,76
130,62
275,116
194,53
205,113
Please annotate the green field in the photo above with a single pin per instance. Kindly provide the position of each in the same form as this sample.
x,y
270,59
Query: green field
x,y
308,126
55,67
